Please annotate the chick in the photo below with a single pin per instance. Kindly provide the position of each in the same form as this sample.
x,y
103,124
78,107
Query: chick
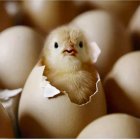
x,y
69,67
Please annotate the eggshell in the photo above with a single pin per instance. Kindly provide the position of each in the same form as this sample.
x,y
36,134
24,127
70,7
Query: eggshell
x,y
49,14
113,126
108,33
6,130
122,85
123,10
20,48
56,117
5,19
134,27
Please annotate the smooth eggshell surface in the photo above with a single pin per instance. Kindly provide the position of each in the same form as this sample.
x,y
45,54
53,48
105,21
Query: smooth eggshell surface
x,y
122,86
49,14
56,117
113,126
6,130
20,48
123,10
109,34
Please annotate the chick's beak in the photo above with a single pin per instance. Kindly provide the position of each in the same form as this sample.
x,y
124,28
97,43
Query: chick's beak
x,y
70,50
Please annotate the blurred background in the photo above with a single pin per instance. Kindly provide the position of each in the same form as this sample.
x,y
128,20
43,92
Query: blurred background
x,y
44,15
113,24
107,22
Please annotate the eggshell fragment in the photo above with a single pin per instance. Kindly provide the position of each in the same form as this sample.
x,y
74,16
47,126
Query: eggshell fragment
x,y
56,117
6,130
134,27
122,85
19,51
123,10
109,35
113,126
49,14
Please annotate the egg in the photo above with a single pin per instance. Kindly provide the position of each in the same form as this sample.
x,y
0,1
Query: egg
x,y
122,85
114,126
5,19
134,28
123,10
108,33
55,117
20,48
49,14
6,130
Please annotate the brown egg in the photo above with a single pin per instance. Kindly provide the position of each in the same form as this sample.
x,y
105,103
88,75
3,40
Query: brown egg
x,y
20,48
113,126
123,10
134,27
5,19
49,14
122,85
6,130
108,33
55,117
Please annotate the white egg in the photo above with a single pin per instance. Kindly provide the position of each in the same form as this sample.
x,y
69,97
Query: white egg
x,y
115,126
19,51
122,86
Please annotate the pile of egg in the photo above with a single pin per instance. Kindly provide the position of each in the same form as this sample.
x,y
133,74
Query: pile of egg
x,y
113,112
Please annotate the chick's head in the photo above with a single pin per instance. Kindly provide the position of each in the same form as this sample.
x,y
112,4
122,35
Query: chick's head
x,y
66,48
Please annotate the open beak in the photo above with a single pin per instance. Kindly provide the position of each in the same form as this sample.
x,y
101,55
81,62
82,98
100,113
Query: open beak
x,y
70,50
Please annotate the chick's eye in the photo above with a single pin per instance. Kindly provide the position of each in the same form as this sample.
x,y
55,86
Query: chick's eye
x,y
81,44
55,45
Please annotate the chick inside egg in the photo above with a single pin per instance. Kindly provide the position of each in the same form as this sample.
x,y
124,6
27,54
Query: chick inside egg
x,y
55,117
69,65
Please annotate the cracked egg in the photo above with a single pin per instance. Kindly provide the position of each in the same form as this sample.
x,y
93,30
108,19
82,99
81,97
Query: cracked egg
x,y
57,117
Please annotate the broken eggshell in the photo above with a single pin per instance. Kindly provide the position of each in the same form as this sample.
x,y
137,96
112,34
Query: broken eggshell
x,y
55,116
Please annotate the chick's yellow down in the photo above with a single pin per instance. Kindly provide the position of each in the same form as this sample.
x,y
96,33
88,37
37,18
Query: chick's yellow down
x,y
68,62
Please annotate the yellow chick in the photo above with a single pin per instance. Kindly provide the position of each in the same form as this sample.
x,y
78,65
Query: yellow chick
x,y
69,66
